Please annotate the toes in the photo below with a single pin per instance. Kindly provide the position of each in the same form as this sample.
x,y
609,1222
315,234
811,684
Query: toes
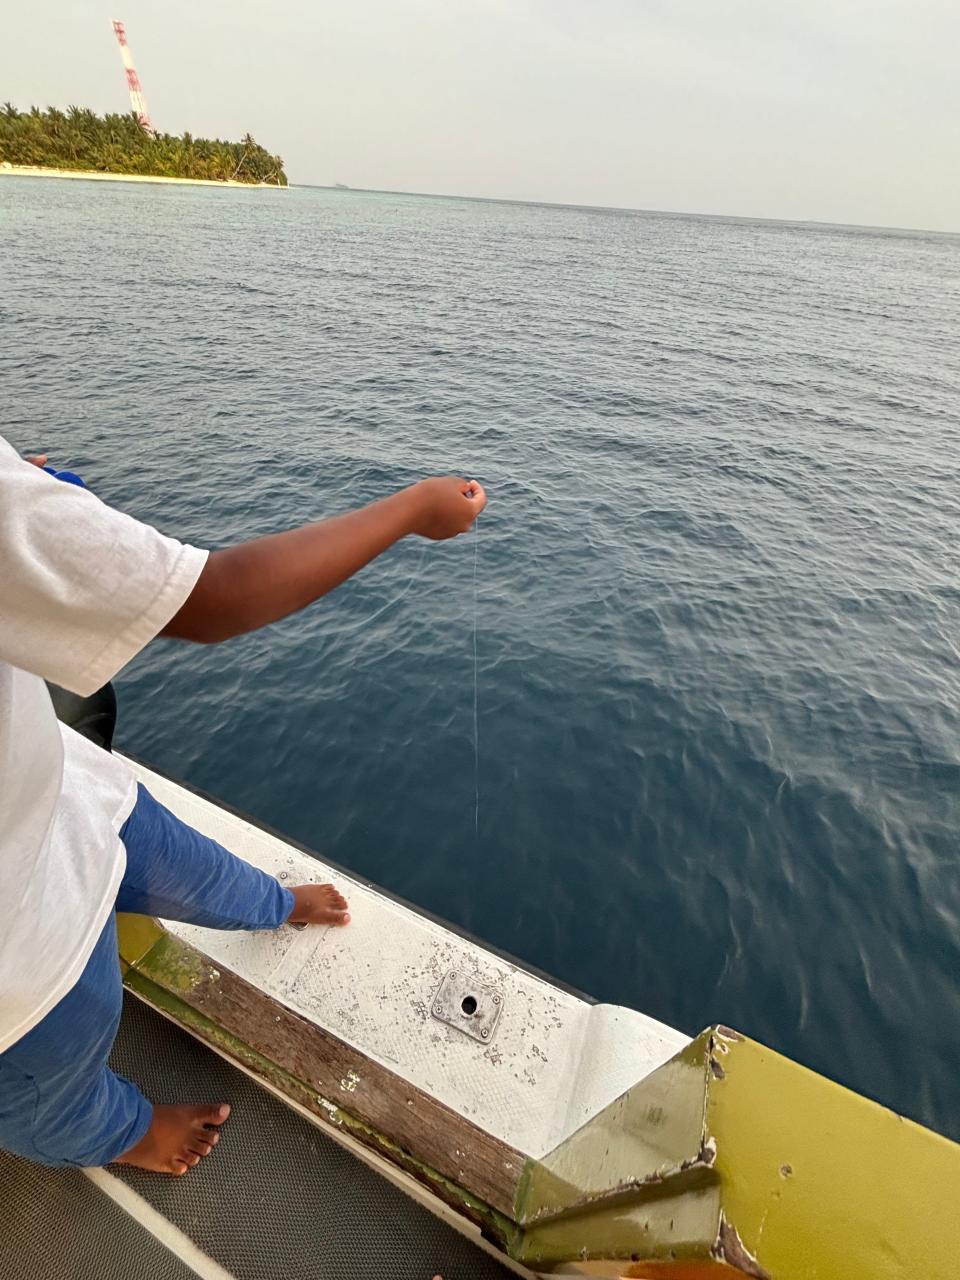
x,y
319,904
191,1158
204,1135
179,1167
213,1115
199,1147
333,896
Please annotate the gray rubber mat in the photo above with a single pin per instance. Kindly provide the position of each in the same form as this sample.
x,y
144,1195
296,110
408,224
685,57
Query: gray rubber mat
x,y
56,1225
278,1200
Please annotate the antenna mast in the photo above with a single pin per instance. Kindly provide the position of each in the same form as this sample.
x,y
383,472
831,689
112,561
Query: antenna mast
x,y
137,100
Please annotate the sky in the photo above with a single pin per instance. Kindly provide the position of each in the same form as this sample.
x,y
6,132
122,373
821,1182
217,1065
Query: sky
x,y
834,110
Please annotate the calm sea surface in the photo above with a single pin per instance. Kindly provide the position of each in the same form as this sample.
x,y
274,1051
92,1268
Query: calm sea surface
x,y
718,580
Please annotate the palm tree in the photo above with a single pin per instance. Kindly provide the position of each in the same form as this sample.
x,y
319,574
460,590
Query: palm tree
x,y
81,139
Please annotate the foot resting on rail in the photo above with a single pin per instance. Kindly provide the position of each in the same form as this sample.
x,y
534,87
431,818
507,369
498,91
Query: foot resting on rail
x,y
318,904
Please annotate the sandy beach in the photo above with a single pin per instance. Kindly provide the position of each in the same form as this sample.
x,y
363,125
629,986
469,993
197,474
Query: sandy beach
x,y
30,171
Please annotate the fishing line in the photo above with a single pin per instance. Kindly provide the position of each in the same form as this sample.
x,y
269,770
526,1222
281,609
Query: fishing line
x,y
476,685
414,577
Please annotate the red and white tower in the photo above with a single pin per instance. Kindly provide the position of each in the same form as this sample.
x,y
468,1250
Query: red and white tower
x,y
137,100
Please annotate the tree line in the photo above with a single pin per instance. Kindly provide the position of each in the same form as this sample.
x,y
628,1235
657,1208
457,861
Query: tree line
x,y
80,139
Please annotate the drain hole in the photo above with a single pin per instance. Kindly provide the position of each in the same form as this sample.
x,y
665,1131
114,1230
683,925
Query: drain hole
x,y
469,1006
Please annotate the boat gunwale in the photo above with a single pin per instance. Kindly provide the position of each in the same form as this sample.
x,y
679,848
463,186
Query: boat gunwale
x,y
365,882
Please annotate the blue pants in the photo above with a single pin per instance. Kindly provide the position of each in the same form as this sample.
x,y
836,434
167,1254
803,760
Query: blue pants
x,y
60,1104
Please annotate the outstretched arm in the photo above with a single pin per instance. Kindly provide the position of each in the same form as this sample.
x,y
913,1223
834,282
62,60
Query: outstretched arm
x,y
255,583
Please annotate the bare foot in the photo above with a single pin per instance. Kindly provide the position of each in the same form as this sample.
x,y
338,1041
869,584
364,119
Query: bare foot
x,y
318,904
178,1138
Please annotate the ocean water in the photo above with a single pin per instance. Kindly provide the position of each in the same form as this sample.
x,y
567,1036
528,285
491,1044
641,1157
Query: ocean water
x,y
718,582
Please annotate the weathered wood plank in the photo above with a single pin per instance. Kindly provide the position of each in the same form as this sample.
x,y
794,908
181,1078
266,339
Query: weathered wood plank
x,y
340,1083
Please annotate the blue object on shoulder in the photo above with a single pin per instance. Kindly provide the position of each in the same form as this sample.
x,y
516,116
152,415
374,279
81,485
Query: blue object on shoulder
x,y
69,477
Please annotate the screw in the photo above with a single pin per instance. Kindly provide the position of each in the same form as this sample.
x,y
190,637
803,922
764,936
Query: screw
x,y
283,875
484,1034
438,1009
496,999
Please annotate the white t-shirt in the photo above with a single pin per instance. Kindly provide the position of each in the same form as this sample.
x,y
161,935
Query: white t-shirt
x,y
82,589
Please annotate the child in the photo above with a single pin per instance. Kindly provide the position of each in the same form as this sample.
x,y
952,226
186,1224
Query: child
x,y
82,589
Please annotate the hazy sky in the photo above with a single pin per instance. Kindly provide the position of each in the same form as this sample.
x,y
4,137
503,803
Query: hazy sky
x,y
841,110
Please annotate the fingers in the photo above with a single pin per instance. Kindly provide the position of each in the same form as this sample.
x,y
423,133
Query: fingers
x,y
448,506
477,495
38,459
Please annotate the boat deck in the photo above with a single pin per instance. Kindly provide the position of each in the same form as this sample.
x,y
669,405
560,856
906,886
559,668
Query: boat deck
x,y
552,1061
277,1200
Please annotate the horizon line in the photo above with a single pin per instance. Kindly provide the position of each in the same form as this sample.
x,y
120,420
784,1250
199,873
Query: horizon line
x,y
614,208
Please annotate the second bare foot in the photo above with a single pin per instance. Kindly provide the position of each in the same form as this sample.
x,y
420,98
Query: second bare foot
x,y
178,1138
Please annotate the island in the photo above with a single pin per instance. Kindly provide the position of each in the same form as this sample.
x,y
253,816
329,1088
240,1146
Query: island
x,y
78,142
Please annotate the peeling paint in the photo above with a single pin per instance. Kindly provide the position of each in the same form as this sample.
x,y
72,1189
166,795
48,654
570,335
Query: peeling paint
x,y
689,1175
182,968
730,1249
729,1034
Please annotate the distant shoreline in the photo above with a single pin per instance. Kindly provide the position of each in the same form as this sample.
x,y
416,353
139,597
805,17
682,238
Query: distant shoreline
x,y
95,175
